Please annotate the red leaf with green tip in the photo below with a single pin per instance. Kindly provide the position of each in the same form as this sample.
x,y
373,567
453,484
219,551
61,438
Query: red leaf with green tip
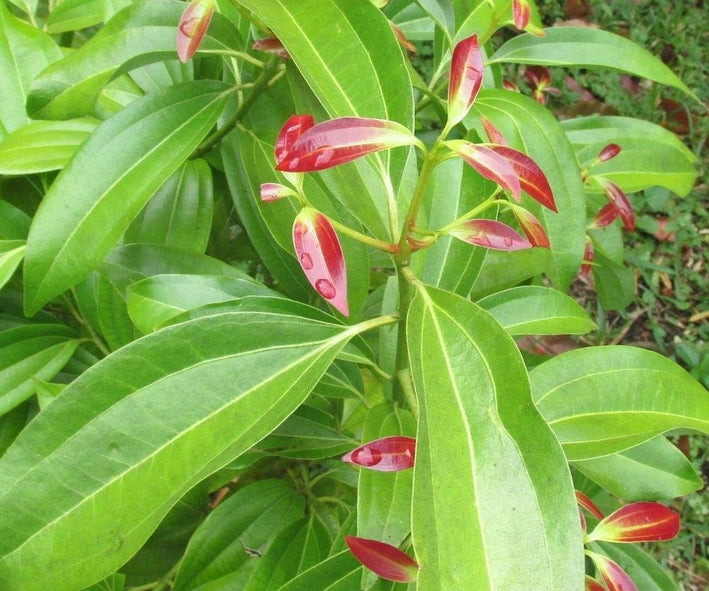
x,y
489,164
587,503
271,45
521,12
615,577
490,234
292,129
342,140
619,198
274,191
385,560
494,135
638,522
593,585
388,454
531,178
531,226
193,24
588,255
466,79
320,256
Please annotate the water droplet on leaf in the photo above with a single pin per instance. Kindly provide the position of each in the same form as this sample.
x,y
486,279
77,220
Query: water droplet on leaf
x,y
325,288
306,261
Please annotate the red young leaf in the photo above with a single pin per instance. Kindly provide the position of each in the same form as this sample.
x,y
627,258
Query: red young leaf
x,y
271,45
593,585
466,79
609,152
615,577
388,454
489,164
292,129
606,216
274,191
521,13
587,261
490,234
493,134
320,256
509,85
341,140
401,38
385,560
537,76
638,522
193,24
582,519
587,503
619,198
531,178
531,226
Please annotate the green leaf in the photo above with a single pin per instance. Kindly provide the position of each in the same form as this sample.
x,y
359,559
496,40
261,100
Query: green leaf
x,y
41,146
238,527
24,52
642,164
140,34
615,283
602,400
384,498
71,15
190,399
14,223
584,47
502,270
180,213
28,6
111,177
295,549
608,129
34,350
303,439
342,380
12,423
116,582
339,572
537,310
646,573
441,11
155,300
11,254
652,471
488,469
533,129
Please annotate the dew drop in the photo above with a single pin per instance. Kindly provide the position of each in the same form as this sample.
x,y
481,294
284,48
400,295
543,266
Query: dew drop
x,y
367,456
306,261
325,288
325,156
507,242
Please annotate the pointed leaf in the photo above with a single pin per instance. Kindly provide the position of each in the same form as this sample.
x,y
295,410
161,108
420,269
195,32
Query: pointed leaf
x,y
466,79
593,585
384,559
490,234
502,479
605,216
388,454
638,522
615,577
320,256
274,192
588,504
193,24
489,164
531,178
71,15
342,140
521,13
620,200
112,176
531,226
609,152
11,254
229,379
339,569
647,574
601,400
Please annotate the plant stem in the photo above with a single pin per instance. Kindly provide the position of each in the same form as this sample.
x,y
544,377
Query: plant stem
x,y
259,85
369,240
489,202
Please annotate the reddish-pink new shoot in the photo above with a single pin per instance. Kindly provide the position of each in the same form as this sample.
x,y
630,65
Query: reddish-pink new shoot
x,y
490,234
388,454
385,560
193,24
466,79
615,577
320,256
489,164
271,45
531,226
638,522
341,140
531,178
521,12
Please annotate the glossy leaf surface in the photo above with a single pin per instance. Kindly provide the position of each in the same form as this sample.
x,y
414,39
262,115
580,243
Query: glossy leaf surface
x,y
490,234
111,177
614,576
496,483
466,78
646,573
69,15
192,27
11,254
339,572
230,379
585,47
531,178
602,400
385,560
41,146
489,164
652,471
533,309
638,522
387,454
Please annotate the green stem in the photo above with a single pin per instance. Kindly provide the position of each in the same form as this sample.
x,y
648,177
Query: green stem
x,y
477,210
259,85
94,337
403,387
369,240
